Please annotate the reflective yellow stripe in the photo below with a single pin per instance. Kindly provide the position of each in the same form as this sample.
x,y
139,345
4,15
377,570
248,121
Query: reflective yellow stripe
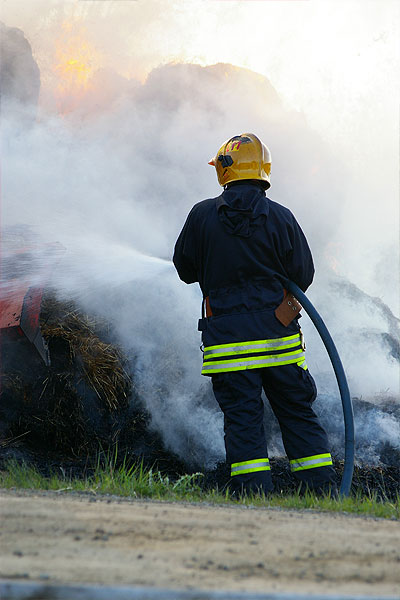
x,y
302,364
284,339
241,364
249,462
245,349
250,466
227,353
311,462
296,354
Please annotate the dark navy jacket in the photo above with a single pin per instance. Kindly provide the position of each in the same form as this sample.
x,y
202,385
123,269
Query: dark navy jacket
x,y
242,247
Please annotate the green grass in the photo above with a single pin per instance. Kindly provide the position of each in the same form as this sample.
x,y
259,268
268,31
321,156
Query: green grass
x,y
139,482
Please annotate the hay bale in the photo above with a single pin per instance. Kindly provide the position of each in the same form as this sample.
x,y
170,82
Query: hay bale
x,y
77,403
103,363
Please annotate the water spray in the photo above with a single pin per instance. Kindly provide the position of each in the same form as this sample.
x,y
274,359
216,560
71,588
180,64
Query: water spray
x,y
347,405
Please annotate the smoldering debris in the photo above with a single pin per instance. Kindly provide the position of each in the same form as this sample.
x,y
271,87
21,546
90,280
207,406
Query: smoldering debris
x,y
84,400
390,339
102,363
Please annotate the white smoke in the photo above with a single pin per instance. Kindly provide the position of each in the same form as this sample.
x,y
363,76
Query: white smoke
x,y
113,183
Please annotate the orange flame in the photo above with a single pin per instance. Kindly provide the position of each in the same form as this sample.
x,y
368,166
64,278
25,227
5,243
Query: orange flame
x,y
77,61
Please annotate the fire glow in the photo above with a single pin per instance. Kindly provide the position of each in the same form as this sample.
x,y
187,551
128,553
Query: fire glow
x,y
76,62
331,252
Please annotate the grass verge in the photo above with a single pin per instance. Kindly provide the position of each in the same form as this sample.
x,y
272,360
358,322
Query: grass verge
x,y
139,482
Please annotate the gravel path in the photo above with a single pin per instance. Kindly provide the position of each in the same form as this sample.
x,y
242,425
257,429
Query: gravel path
x,y
56,538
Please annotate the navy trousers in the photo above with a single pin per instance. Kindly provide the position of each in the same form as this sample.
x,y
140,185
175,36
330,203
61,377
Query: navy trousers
x,y
291,391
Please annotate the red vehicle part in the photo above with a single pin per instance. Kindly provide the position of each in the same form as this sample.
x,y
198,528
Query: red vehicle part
x,y
25,273
19,316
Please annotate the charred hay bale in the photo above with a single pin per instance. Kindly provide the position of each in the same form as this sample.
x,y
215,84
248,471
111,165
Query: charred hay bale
x,y
102,365
77,403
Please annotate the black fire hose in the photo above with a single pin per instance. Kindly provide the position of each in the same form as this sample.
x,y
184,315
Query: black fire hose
x,y
347,405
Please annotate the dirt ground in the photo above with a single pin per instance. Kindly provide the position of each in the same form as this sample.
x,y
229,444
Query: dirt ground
x,y
88,539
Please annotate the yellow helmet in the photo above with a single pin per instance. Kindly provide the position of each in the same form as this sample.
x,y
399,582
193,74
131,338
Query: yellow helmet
x,y
243,156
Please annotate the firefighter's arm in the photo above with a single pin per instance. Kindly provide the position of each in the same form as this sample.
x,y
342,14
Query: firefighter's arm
x,y
184,257
298,260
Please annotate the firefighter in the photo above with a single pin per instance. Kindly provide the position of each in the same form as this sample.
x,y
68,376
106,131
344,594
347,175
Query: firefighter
x,y
242,248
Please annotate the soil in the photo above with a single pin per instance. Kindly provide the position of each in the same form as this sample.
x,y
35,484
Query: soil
x,y
62,537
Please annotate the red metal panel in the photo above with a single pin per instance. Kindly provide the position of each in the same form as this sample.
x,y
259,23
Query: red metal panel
x,y
31,312
20,302
11,304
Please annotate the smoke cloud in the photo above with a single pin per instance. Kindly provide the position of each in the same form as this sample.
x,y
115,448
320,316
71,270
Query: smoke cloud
x,y
112,181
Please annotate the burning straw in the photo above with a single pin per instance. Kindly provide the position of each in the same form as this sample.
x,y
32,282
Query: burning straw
x,y
103,364
79,401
